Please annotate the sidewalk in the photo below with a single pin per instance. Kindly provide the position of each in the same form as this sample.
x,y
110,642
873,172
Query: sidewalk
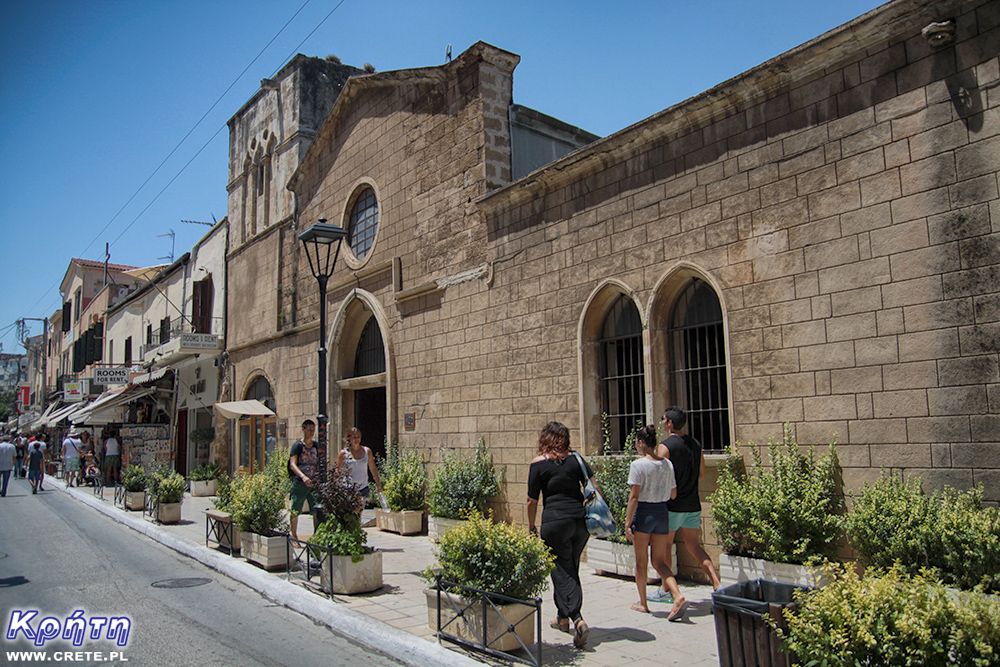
x,y
391,618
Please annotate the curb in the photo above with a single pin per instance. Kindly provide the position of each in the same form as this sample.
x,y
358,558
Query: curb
x,y
346,623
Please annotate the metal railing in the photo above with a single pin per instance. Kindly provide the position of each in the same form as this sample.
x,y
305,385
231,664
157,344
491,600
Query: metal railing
x,y
159,336
471,613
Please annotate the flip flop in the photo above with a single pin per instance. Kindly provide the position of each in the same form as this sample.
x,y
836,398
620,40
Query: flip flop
x,y
637,607
678,614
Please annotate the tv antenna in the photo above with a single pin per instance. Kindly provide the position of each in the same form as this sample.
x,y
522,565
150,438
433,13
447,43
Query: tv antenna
x,y
171,235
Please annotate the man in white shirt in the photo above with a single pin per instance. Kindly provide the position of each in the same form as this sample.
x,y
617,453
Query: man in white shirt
x,y
7,452
71,447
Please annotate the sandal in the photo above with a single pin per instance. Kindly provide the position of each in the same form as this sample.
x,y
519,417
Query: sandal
x,y
677,613
559,625
581,631
638,607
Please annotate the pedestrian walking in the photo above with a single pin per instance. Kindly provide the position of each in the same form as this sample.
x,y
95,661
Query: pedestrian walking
x,y
36,461
112,459
21,450
359,461
43,448
647,521
557,475
8,453
302,469
71,450
688,459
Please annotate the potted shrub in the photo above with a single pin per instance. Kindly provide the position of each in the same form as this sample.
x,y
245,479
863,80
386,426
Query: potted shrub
x,y
347,566
257,506
949,533
889,618
222,512
497,558
772,520
204,480
461,484
404,483
169,495
134,481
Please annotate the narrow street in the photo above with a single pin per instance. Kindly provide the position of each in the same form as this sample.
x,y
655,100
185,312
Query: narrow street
x,y
58,557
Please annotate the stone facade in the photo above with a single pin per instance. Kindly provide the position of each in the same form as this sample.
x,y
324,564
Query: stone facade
x,y
840,201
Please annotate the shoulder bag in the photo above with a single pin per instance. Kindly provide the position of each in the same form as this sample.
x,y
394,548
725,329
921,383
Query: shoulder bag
x,y
599,520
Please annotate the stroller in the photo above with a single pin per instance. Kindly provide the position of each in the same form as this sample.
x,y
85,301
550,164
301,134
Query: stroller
x,y
92,474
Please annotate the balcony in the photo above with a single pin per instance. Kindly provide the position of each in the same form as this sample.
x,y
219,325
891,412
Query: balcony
x,y
168,345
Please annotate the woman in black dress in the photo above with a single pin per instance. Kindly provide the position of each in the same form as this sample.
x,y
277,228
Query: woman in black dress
x,y
558,474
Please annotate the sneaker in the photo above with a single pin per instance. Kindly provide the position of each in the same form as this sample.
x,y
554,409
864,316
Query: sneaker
x,y
660,595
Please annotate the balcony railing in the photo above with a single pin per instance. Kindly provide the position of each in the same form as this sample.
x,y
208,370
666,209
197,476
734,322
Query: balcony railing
x,y
161,335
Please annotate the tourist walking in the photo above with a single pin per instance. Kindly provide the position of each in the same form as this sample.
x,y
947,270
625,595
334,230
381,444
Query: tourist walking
x,y
20,451
112,459
36,461
686,455
358,460
302,469
8,453
557,475
647,521
71,448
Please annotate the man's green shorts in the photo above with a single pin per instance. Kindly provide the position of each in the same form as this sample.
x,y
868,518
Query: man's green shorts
x,y
301,494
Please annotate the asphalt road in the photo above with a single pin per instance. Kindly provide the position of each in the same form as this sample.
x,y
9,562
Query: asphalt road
x,y
57,557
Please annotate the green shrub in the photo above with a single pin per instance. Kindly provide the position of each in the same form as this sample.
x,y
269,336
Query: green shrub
x,y
224,494
788,512
950,532
257,504
494,557
205,472
134,479
404,479
463,483
170,488
889,618
344,537
611,473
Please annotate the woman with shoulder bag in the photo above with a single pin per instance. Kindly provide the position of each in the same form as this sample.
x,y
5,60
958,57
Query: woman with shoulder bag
x,y
558,474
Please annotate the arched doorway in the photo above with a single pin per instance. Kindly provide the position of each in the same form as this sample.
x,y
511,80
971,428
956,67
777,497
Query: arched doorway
x,y
258,436
369,402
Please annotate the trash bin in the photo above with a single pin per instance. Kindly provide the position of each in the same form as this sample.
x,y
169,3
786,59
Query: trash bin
x,y
744,636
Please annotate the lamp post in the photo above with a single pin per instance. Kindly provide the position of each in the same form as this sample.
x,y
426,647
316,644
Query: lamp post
x,y
322,240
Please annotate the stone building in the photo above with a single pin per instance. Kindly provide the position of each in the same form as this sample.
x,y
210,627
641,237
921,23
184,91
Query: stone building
x,y
814,242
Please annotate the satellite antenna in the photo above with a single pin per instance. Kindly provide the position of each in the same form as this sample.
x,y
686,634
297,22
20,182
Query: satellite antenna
x,y
171,235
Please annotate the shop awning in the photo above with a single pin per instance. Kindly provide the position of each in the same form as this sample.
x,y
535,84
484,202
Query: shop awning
x,y
108,401
152,376
236,409
40,422
62,412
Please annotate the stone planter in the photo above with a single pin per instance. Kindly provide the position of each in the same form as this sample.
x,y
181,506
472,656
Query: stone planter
x,y
521,616
202,488
168,512
406,522
438,526
135,500
350,577
268,552
740,569
608,557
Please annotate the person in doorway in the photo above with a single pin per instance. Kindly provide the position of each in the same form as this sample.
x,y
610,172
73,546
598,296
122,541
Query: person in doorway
x,y
685,454
302,469
112,459
72,446
647,521
36,462
8,453
558,474
359,461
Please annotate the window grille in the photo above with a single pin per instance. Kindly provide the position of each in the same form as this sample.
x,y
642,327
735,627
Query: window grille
x,y
369,358
364,223
623,384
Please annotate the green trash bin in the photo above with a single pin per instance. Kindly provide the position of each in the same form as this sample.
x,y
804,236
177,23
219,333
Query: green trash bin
x,y
745,639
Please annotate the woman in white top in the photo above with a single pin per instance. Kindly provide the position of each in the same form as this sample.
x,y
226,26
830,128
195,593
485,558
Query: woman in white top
x,y
359,460
647,522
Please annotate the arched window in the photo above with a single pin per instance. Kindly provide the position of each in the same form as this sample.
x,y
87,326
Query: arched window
x,y
260,389
623,386
697,353
369,358
363,223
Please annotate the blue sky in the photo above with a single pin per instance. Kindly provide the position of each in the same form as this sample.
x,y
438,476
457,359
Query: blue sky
x,y
100,140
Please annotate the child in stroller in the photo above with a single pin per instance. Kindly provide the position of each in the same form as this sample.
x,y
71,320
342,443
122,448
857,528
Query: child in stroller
x,y
91,471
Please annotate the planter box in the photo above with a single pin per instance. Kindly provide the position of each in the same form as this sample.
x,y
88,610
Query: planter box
x,y
208,487
521,616
268,552
135,500
218,527
743,636
608,557
350,577
407,522
438,526
740,569
168,512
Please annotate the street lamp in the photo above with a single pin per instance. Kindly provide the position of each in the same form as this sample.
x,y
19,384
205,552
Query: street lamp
x,y
322,240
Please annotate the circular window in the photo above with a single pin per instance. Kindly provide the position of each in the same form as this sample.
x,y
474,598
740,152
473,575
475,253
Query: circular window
x,y
363,223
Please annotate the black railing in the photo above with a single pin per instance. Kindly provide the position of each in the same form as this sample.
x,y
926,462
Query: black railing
x,y
478,620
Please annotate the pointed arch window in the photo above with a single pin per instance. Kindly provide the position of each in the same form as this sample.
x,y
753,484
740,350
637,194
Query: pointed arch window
x,y
697,352
369,359
623,385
